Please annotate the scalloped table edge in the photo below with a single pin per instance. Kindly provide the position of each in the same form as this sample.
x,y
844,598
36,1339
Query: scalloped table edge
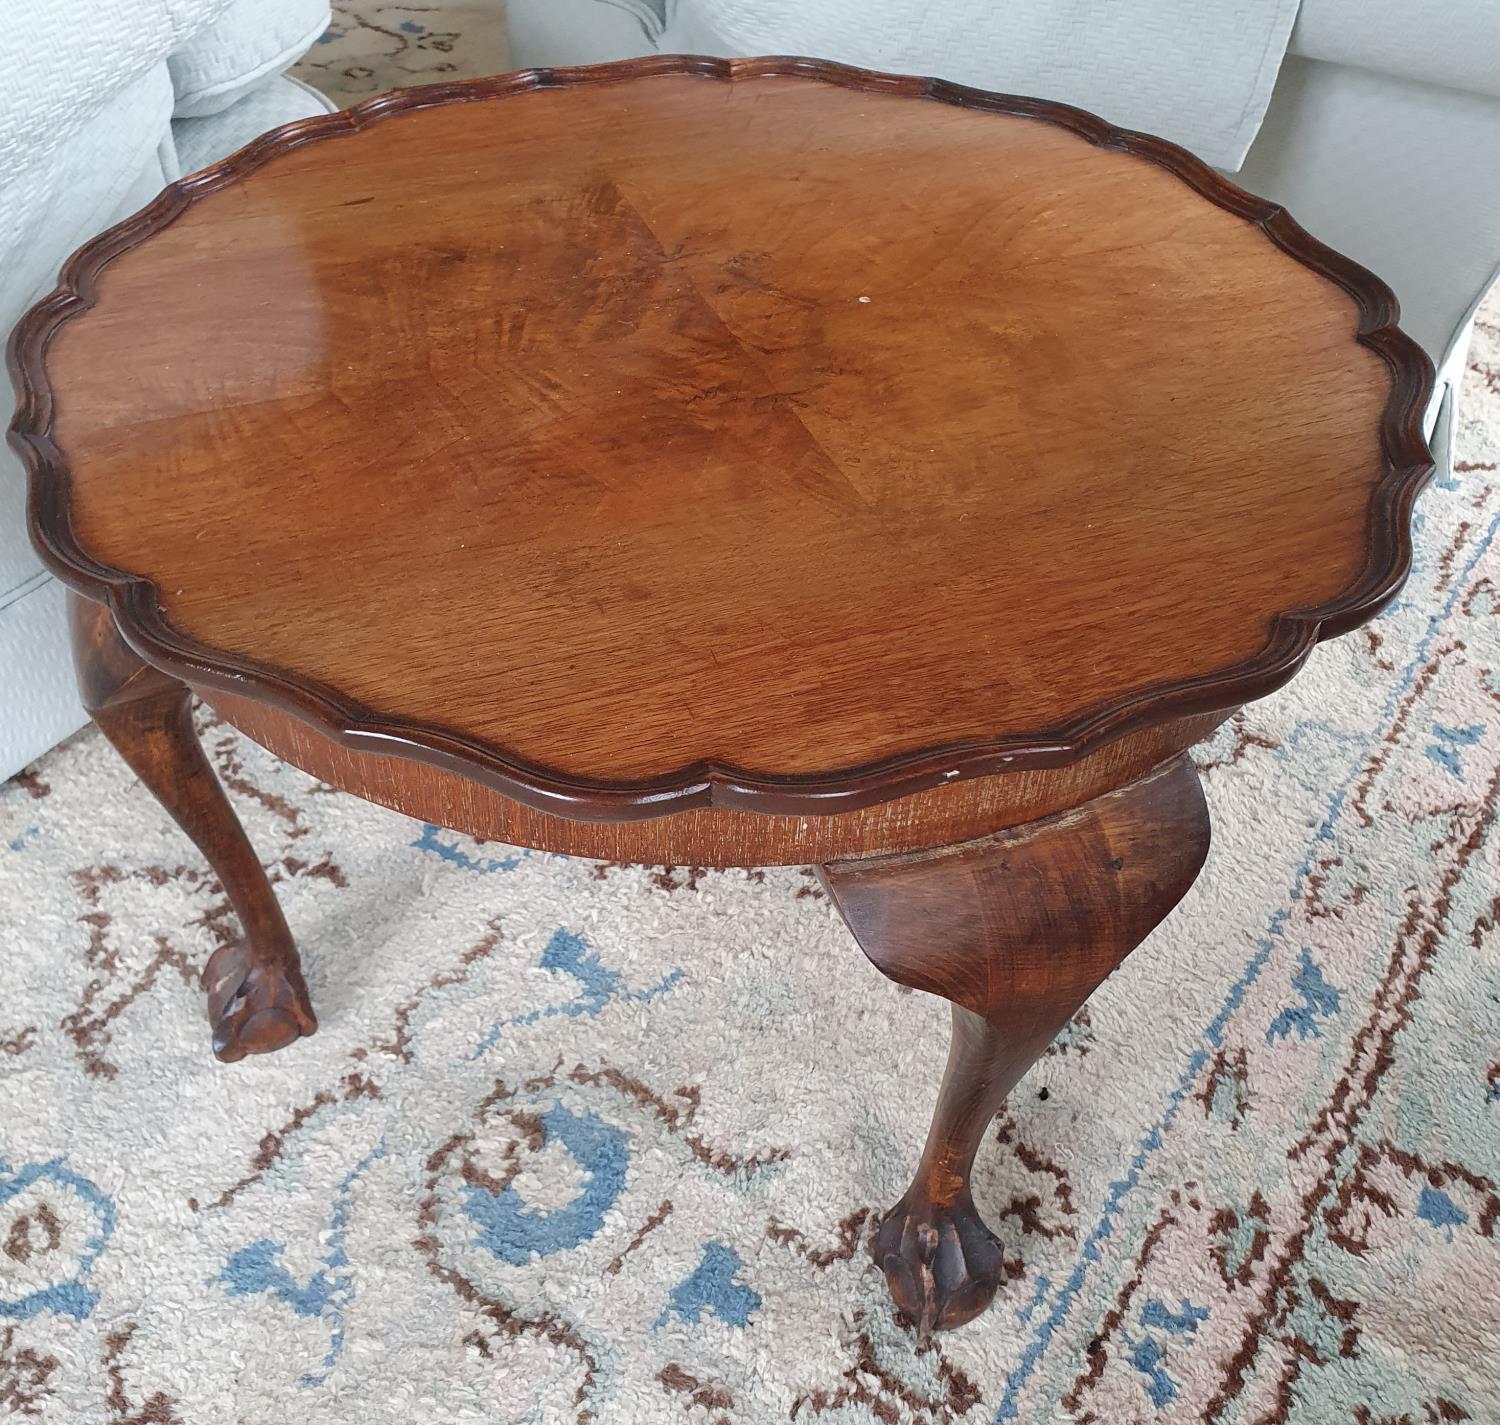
x,y
133,599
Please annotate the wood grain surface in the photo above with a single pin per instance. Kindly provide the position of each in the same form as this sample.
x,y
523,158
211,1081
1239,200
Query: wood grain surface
x,y
634,442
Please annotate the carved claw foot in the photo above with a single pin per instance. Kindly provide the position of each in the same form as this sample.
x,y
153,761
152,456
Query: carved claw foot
x,y
942,1264
253,1008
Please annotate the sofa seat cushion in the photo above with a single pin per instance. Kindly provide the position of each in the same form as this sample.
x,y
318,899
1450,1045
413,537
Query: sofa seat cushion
x,y
277,101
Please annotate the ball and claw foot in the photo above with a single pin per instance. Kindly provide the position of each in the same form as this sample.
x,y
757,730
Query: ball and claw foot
x,y
253,1009
943,1265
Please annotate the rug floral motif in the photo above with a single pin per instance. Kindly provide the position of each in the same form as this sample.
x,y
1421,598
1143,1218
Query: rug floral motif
x,y
372,47
582,1143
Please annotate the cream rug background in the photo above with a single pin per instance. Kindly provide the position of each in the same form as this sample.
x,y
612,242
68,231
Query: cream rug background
x,y
581,1142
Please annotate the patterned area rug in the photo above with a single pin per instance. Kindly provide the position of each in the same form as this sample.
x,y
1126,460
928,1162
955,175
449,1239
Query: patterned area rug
x,y
582,1142
372,47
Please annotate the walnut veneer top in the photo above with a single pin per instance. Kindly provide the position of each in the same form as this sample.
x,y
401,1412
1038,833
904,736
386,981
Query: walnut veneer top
x,y
626,429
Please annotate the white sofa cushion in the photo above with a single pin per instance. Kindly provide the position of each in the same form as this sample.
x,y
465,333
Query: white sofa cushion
x,y
65,61
245,44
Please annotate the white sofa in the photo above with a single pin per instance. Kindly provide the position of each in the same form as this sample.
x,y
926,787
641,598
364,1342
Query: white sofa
x,y
104,101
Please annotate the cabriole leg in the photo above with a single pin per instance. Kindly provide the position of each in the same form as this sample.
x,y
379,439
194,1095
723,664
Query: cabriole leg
x,y
257,999
1016,931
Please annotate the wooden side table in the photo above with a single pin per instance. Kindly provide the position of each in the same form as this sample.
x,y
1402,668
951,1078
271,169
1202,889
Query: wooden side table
x,y
728,463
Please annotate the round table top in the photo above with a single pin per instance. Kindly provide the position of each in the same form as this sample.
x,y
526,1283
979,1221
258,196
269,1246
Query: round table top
x,y
764,433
